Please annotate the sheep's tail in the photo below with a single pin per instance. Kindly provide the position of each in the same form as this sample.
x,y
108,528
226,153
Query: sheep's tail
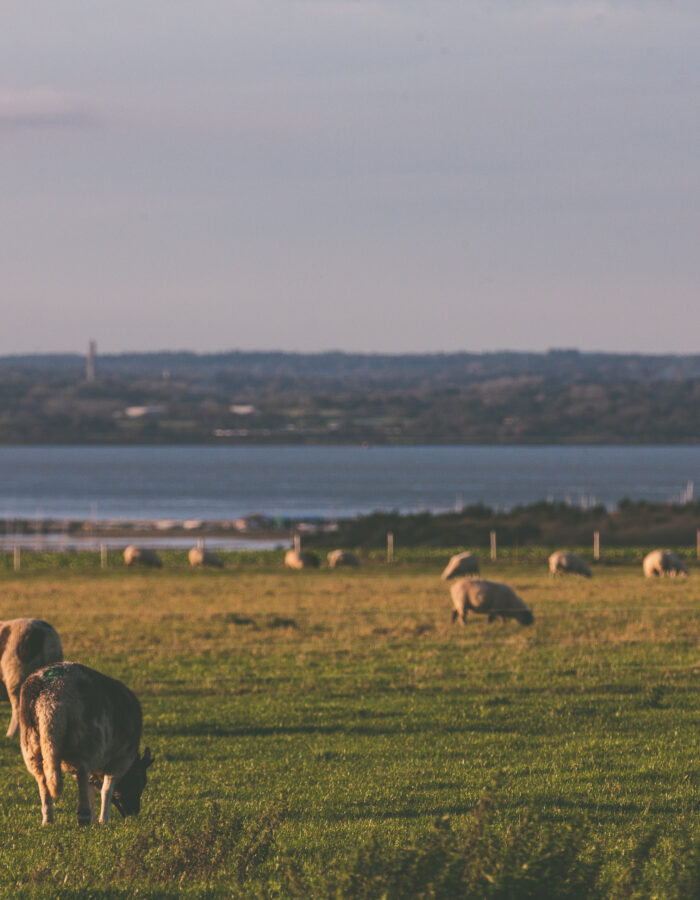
x,y
52,731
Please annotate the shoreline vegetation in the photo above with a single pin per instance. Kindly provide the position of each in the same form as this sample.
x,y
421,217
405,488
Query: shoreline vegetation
x,y
548,524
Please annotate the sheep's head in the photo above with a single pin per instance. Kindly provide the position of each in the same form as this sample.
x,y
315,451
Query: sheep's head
x,y
128,790
525,617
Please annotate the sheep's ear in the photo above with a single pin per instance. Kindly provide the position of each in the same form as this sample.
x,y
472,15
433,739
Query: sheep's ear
x,y
147,758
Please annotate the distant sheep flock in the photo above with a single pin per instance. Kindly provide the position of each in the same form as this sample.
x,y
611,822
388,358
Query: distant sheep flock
x,y
561,562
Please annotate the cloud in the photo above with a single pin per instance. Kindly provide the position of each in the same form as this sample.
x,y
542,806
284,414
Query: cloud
x,y
43,107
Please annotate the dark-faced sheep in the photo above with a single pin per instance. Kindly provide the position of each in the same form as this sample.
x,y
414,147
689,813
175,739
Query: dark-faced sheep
x,y
25,646
343,558
140,556
490,598
301,560
75,719
663,562
562,562
461,564
199,557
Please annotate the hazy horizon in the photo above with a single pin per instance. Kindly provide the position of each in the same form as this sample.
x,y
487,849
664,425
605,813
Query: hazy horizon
x,y
335,350
363,175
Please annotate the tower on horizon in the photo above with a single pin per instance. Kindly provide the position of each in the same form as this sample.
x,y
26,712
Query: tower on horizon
x,y
90,361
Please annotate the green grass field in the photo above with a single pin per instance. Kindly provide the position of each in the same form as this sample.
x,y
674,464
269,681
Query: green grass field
x,y
329,734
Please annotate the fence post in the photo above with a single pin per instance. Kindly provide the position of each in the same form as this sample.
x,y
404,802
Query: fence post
x,y
596,545
390,546
698,542
493,546
17,558
297,542
515,554
103,556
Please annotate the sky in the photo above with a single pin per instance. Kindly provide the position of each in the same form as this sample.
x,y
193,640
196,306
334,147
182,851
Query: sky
x,y
381,176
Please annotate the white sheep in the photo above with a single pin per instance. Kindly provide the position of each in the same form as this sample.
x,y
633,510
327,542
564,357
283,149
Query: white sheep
x,y
25,646
76,719
491,598
301,560
663,562
198,557
461,564
140,556
343,558
562,561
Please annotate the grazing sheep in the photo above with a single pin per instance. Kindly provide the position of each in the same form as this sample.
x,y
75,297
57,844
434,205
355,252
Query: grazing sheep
x,y
343,558
76,719
25,646
490,598
304,560
663,562
461,564
563,561
140,556
198,556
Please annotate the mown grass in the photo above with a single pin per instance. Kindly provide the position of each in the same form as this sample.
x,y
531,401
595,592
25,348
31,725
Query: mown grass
x,y
329,734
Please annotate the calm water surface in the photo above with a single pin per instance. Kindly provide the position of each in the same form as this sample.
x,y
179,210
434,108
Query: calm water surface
x,y
133,483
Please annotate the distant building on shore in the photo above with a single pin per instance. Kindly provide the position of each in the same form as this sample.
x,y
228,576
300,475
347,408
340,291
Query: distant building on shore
x,y
141,412
90,361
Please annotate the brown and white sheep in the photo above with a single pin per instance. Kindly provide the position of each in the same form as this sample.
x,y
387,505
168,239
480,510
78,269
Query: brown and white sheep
x,y
491,598
199,557
25,646
304,559
663,562
79,720
561,561
141,556
461,564
343,558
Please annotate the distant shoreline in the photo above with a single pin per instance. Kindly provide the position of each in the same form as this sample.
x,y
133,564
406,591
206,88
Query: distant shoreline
x,y
90,530
559,398
633,523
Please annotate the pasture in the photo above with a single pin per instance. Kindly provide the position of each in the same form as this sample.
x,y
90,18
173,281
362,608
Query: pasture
x,y
330,734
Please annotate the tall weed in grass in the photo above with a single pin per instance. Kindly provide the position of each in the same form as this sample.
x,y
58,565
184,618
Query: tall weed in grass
x,y
533,859
210,852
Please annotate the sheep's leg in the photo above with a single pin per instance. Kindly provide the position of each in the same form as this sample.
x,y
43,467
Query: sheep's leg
x,y
455,614
46,801
85,811
91,801
107,791
14,720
